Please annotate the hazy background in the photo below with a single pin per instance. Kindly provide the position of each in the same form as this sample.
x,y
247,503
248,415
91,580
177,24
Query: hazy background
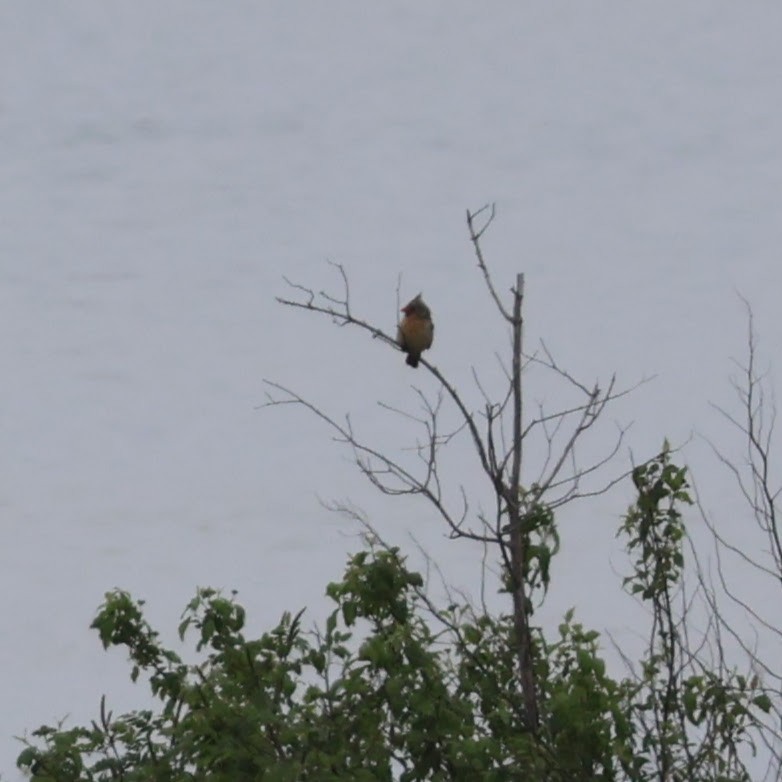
x,y
162,165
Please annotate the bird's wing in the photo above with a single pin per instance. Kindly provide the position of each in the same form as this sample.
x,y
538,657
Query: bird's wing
x,y
430,335
400,337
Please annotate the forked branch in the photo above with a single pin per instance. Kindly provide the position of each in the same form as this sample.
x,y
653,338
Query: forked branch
x,y
502,462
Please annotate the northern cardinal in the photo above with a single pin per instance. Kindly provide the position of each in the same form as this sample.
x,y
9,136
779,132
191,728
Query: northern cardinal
x,y
416,331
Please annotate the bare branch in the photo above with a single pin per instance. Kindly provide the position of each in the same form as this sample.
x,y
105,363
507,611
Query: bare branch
x,y
337,309
387,475
499,447
475,238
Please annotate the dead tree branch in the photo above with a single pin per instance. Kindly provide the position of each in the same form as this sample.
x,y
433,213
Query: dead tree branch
x,y
516,518
743,555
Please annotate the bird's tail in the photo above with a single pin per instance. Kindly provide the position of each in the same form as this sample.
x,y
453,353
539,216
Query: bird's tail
x,y
412,360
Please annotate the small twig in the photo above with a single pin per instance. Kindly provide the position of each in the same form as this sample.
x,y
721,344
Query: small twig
x,y
475,238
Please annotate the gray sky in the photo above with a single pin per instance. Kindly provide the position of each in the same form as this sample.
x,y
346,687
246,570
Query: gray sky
x,y
163,165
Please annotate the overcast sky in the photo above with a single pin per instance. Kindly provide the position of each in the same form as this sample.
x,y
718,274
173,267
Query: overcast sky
x,y
163,165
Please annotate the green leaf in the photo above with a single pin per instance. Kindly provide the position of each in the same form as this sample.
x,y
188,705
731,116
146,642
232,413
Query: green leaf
x,y
349,612
27,757
763,702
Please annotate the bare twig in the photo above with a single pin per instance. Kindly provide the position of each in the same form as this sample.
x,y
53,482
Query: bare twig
x,y
499,446
475,237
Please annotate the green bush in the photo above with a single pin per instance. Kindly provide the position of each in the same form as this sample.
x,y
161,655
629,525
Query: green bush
x,y
397,688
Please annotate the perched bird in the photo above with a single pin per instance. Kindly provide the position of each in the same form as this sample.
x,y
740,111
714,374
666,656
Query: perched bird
x,y
416,331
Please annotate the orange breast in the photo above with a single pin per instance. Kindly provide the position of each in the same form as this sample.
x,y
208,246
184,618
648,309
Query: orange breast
x,y
417,333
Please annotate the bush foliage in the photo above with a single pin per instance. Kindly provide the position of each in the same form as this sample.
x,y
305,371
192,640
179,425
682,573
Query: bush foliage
x,y
394,687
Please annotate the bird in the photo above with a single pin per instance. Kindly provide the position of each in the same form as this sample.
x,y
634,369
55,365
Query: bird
x,y
416,331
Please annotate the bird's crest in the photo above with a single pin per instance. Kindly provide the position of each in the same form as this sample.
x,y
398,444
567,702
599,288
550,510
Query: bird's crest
x,y
414,304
